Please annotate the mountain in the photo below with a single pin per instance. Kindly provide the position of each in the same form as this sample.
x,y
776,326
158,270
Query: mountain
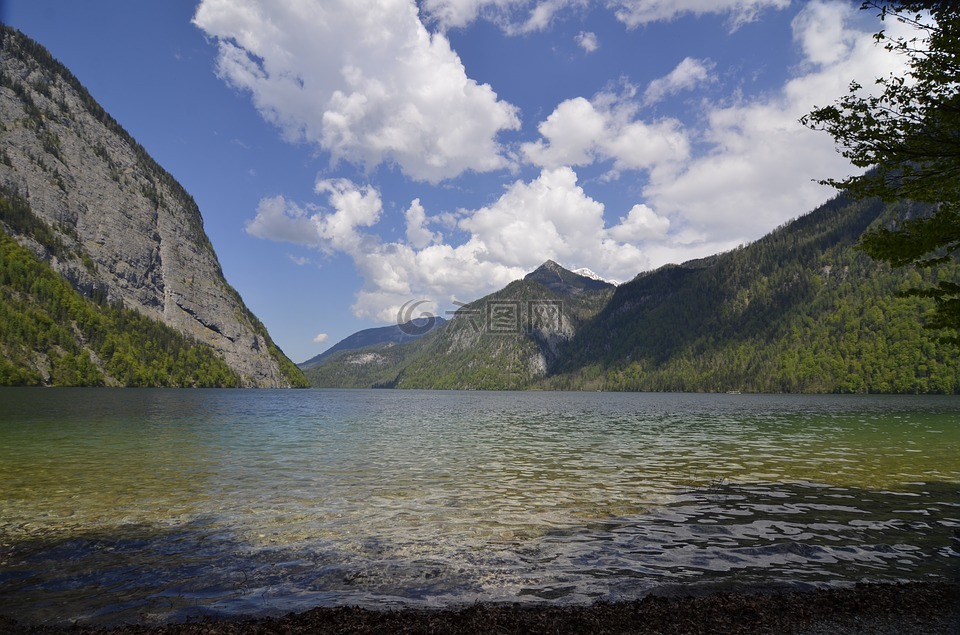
x,y
588,273
502,341
507,339
89,203
568,283
393,334
800,310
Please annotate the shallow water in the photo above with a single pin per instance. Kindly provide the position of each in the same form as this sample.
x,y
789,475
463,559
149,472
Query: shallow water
x,y
145,505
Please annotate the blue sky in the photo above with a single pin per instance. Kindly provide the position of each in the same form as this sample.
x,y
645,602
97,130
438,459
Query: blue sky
x,y
351,156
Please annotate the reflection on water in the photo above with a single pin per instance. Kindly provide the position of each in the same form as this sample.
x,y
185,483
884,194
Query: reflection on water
x,y
120,505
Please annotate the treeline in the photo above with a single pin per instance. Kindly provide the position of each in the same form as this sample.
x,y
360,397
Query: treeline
x,y
801,310
48,93
480,348
373,367
52,335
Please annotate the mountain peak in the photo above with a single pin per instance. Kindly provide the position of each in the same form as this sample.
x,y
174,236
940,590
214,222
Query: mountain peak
x,y
550,266
562,281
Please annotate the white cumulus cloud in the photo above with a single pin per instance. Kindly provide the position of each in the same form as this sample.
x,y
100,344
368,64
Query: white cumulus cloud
x,y
417,233
581,131
741,167
634,13
640,224
550,217
523,16
513,16
331,231
587,41
460,13
320,338
761,164
278,220
754,167
362,79
687,75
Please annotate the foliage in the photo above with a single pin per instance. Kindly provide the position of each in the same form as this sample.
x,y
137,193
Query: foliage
x,y
909,135
52,335
43,91
469,351
371,367
800,310
15,212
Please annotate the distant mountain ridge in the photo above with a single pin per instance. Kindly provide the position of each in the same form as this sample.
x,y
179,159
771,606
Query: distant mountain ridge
x,y
87,200
392,334
800,310
501,341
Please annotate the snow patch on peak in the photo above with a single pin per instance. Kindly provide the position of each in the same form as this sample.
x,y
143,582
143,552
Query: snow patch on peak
x,y
589,273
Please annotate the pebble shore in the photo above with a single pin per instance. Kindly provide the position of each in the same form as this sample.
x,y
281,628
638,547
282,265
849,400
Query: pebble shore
x,y
929,608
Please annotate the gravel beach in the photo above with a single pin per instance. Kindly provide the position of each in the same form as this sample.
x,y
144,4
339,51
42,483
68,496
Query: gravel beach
x,y
897,609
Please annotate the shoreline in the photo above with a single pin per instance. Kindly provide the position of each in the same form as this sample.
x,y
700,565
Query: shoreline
x,y
898,609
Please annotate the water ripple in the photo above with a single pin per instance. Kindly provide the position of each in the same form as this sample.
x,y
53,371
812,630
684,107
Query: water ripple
x,y
157,505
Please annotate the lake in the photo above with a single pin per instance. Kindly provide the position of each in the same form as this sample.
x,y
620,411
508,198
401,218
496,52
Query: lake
x,y
156,505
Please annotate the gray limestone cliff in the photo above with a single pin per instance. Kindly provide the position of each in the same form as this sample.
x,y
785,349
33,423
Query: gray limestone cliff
x,y
131,232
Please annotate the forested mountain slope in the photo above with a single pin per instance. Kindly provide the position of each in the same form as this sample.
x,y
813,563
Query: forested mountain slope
x,y
88,201
502,341
50,334
800,310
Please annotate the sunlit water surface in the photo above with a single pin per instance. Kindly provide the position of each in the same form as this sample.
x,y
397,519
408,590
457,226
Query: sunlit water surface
x,y
155,505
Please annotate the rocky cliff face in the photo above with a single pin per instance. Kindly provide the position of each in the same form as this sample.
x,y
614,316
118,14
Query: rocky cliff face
x,y
129,229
